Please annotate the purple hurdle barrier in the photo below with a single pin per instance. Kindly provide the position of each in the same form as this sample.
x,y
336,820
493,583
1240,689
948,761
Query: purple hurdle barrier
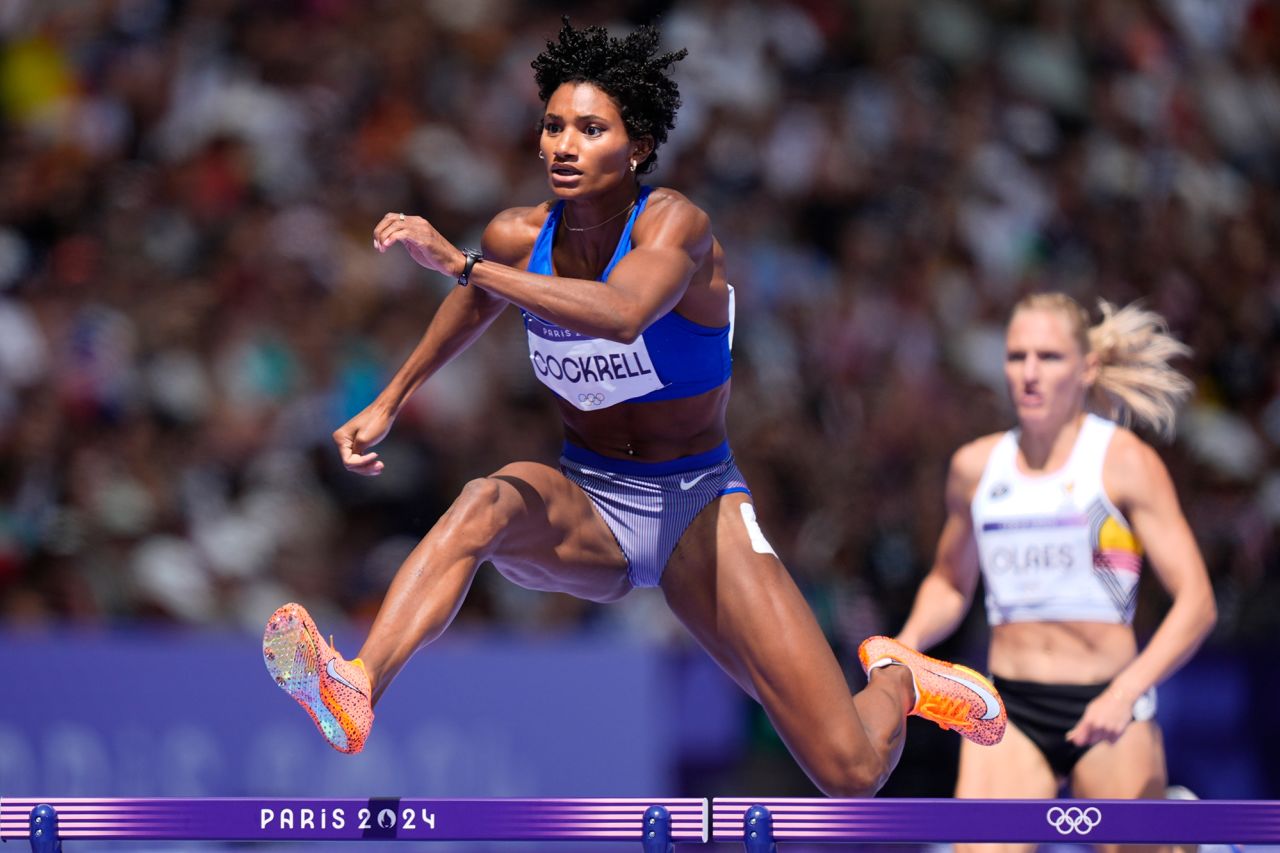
x,y
925,821
302,819
1230,822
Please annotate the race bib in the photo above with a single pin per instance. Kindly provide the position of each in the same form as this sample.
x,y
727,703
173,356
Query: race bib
x,y
1025,561
590,373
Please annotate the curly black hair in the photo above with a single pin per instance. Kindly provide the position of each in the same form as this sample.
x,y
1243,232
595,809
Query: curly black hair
x,y
630,70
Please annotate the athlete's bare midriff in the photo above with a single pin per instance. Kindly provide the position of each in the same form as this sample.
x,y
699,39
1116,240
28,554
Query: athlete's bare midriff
x,y
1061,652
651,432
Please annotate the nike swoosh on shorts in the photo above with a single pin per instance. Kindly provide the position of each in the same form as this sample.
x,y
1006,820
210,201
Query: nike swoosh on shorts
x,y
686,485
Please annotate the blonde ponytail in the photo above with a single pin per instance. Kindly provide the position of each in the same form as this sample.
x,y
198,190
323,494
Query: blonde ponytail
x,y
1134,348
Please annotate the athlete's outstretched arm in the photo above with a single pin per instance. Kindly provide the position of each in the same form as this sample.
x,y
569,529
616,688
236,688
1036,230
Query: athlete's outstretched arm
x,y
1139,484
947,591
461,318
667,248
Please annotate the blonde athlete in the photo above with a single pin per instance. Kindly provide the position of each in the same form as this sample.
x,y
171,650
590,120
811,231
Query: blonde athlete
x,y
1056,515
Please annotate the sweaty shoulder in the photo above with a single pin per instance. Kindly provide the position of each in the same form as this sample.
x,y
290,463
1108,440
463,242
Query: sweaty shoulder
x,y
967,465
669,216
509,236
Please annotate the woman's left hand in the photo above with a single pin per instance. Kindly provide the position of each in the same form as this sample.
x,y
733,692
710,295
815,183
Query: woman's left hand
x,y
422,240
1104,719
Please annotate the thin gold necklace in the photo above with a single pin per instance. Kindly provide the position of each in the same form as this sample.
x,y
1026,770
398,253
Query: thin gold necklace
x,y
626,209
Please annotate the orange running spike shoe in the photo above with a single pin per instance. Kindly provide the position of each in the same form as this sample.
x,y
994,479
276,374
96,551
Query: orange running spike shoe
x,y
334,691
953,696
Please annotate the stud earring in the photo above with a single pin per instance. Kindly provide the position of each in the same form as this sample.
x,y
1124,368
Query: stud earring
x,y
633,165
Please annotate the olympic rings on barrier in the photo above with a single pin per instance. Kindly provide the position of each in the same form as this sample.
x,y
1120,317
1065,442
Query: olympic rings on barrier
x,y
1073,819
946,821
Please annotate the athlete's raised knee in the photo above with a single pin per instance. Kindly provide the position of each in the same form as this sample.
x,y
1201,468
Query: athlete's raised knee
x,y
480,513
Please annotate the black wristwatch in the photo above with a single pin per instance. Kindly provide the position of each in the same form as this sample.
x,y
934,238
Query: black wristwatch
x,y
473,258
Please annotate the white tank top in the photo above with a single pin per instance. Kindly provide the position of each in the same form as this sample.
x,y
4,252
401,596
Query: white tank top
x,y
1053,548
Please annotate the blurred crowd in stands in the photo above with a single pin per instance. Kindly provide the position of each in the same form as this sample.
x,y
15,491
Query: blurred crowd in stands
x,y
190,302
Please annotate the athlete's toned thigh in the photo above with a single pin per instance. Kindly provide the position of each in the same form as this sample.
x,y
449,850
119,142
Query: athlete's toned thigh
x,y
553,538
1011,769
1014,768
738,600
1131,768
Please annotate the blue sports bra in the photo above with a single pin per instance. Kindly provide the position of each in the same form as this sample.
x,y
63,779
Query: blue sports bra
x,y
673,358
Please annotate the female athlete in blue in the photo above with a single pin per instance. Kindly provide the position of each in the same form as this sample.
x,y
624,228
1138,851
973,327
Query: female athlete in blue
x,y
629,319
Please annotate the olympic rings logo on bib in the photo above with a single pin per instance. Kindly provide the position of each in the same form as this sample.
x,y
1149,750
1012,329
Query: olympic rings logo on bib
x,y
1073,819
589,373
